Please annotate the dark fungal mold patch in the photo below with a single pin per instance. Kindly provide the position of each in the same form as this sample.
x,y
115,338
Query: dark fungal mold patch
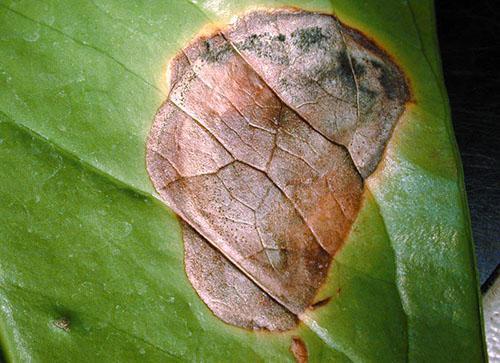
x,y
215,54
306,38
261,148
266,45
358,67
387,80
345,70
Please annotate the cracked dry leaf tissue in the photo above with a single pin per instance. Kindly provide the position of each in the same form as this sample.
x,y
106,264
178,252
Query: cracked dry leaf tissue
x,y
270,127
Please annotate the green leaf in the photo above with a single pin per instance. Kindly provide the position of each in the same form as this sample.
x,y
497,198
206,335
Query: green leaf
x,y
91,262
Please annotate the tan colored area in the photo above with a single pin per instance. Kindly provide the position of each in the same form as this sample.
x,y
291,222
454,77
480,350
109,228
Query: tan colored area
x,y
63,324
261,148
229,293
299,350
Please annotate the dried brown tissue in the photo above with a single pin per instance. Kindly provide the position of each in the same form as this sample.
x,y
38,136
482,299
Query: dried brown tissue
x,y
299,350
269,129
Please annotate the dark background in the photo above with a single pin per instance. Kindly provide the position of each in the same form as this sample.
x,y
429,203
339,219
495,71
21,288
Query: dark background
x,y
469,40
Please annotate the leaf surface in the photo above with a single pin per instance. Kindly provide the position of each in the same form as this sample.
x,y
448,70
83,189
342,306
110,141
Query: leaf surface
x,y
91,263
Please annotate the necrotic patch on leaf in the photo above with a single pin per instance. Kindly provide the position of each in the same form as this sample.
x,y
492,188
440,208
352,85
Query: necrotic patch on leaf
x,y
299,350
261,148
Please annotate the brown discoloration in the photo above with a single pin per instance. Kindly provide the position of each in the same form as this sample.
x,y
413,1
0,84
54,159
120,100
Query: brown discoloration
x,y
261,148
321,303
299,350
319,80
228,293
63,324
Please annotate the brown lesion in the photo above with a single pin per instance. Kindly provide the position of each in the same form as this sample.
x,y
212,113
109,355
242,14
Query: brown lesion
x,y
299,350
264,159
63,324
320,303
231,295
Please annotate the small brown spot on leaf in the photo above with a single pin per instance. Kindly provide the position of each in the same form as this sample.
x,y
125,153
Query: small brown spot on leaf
x,y
299,350
262,147
321,303
63,324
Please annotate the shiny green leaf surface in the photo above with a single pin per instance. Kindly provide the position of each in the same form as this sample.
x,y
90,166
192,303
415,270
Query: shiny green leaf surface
x,y
84,240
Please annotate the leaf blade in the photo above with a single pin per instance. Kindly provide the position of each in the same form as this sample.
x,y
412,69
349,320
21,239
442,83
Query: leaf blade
x,y
92,132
